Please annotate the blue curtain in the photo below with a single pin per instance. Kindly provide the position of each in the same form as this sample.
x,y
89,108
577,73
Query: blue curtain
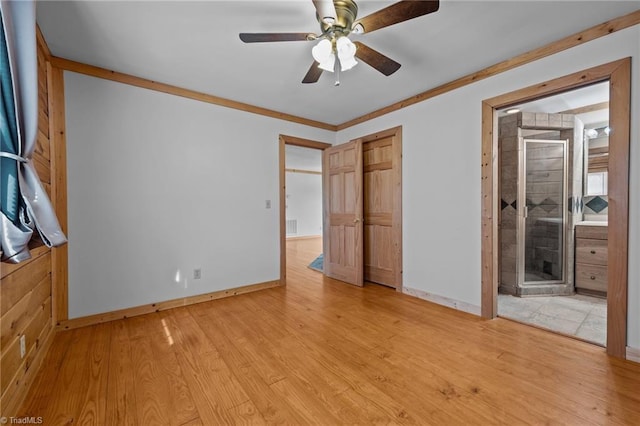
x,y
24,205
10,201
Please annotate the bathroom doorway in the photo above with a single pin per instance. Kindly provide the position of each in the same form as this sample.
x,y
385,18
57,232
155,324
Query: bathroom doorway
x,y
547,247
542,186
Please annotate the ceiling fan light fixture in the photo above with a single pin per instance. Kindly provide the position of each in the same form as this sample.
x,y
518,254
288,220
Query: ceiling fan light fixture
x,y
338,19
329,20
323,55
328,64
347,64
346,53
322,51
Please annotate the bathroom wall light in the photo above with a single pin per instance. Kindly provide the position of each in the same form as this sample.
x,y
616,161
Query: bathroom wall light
x,y
591,133
512,111
607,130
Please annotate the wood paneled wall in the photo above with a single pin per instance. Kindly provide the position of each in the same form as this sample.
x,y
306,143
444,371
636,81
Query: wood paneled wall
x,y
25,288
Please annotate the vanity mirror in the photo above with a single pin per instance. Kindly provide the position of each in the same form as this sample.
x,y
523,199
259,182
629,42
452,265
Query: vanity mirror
x,y
596,159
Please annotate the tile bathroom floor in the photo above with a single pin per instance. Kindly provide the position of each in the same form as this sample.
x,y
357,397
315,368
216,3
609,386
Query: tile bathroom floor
x,y
578,315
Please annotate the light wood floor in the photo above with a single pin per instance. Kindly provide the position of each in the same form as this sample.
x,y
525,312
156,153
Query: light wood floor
x,y
322,352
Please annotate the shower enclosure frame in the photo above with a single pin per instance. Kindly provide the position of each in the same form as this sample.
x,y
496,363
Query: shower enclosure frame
x,y
523,211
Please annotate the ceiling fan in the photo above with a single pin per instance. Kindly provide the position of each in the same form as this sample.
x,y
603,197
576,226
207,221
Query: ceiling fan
x,y
338,18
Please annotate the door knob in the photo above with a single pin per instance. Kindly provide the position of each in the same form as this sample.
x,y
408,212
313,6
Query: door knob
x,y
593,277
593,252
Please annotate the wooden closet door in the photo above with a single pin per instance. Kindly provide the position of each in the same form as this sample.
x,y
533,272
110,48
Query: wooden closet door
x,y
382,204
342,190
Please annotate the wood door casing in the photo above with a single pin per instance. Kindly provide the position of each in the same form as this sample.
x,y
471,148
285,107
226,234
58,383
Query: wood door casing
x,y
283,141
381,159
343,245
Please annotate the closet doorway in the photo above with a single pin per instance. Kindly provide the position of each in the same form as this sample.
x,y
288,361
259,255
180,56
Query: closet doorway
x,y
362,191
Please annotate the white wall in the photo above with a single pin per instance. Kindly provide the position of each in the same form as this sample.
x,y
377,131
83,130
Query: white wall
x,y
173,167
159,184
304,191
304,202
441,173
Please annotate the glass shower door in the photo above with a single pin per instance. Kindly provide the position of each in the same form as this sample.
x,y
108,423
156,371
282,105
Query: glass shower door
x,y
545,212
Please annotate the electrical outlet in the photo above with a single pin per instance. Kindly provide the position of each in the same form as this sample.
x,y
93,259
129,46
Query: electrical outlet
x,y
267,204
197,274
23,346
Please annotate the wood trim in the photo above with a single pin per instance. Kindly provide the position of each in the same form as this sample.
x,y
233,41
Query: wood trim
x,y
489,183
305,143
284,140
555,86
618,74
392,132
589,108
106,74
58,155
618,193
574,40
162,306
9,268
308,172
12,401
282,182
396,134
42,43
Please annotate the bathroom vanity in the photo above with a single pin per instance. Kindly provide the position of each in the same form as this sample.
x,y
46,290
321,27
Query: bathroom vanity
x,y
591,258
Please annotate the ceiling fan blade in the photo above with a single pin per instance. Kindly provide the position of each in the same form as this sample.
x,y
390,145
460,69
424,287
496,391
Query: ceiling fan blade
x,y
396,13
313,74
377,60
326,11
268,37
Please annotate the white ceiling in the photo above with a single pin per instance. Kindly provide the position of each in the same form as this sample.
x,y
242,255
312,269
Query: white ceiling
x,y
195,45
578,98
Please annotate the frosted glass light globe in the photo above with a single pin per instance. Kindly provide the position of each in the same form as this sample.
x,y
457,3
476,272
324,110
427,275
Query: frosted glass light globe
x,y
346,52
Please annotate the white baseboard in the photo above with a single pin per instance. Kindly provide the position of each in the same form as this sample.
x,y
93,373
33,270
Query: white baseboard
x,y
633,354
444,301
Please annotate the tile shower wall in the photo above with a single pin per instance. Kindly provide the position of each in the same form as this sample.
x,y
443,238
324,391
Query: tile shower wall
x,y
537,126
508,137
596,205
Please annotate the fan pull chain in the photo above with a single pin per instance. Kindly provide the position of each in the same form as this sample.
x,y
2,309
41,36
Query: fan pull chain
x,y
336,70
